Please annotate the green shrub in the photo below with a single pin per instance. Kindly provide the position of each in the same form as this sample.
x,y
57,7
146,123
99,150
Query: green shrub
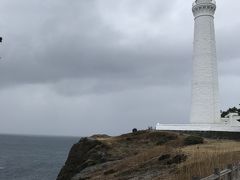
x,y
111,171
191,140
162,140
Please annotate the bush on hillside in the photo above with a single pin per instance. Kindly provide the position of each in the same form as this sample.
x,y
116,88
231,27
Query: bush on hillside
x,y
134,130
191,140
230,110
162,140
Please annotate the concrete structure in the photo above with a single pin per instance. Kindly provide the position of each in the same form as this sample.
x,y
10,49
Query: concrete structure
x,y
199,127
205,109
205,97
232,119
230,123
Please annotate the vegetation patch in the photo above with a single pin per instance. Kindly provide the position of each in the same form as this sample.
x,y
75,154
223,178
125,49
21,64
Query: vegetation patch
x,y
179,158
162,140
191,140
110,171
164,157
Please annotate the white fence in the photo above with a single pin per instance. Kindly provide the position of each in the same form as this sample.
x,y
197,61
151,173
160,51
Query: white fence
x,y
231,173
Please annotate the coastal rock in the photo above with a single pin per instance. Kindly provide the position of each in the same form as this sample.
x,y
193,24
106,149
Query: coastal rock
x,y
87,152
102,155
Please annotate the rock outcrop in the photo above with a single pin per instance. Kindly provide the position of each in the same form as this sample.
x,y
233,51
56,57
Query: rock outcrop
x,y
87,152
105,157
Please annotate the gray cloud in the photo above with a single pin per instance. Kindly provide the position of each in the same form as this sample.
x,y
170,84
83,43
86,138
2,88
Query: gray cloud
x,y
114,64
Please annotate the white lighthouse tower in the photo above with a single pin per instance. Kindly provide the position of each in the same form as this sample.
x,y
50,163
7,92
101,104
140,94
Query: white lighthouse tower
x,y
205,108
205,96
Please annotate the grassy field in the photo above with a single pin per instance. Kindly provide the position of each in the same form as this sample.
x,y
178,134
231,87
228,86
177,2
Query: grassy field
x,y
202,159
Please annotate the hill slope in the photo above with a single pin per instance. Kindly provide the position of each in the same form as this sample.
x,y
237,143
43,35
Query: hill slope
x,y
146,155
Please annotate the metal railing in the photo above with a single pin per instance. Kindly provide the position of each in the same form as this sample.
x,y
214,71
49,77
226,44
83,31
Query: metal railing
x,y
231,173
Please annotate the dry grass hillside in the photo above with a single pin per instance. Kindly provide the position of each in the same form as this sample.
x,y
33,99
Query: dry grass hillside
x,y
147,155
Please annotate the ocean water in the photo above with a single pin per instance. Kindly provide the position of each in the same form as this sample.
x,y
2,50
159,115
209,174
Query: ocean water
x,y
33,157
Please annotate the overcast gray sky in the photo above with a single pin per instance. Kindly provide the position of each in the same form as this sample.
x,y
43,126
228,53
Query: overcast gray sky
x,y
80,67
